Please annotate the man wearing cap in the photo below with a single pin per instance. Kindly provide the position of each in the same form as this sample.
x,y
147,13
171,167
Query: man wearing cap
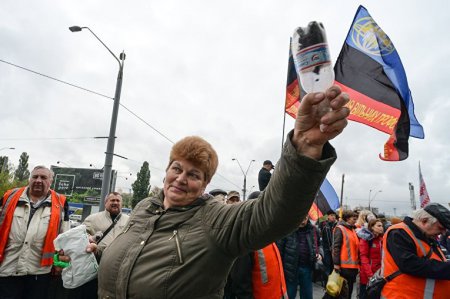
x,y
412,255
265,175
219,194
233,197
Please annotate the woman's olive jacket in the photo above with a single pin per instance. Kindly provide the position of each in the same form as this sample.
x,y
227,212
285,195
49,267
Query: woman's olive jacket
x,y
187,252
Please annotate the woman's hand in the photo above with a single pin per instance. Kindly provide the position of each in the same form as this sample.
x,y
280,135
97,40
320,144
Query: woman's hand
x,y
91,247
311,132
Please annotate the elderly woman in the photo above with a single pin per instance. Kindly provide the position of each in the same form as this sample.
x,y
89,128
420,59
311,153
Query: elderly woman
x,y
182,243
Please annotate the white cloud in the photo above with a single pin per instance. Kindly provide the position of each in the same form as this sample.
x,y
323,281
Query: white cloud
x,y
212,68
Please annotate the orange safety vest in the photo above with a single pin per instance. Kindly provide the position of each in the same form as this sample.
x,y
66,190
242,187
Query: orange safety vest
x,y
349,248
267,274
408,286
10,200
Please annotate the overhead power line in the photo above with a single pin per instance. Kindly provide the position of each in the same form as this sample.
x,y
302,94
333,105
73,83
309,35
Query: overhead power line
x,y
96,93
58,80
52,138
90,91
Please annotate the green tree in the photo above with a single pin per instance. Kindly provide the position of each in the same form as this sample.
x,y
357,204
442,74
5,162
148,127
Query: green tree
x,y
7,181
127,199
4,164
141,187
22,173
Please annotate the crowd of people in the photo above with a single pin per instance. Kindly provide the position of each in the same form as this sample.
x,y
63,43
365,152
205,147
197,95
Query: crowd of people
x,y
186,243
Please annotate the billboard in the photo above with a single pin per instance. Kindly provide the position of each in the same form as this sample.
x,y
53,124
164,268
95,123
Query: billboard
x,y
80,184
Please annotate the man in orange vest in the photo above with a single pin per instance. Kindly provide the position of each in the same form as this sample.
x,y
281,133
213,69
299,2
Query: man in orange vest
x,y
30,219
257,275
346,249
413,258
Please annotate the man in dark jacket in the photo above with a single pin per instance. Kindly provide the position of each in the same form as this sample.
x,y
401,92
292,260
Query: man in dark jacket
x,y
265,175
326,231
299,251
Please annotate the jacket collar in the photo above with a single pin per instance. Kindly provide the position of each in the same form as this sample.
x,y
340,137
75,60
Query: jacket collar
x,y
343,223
25,197
157,203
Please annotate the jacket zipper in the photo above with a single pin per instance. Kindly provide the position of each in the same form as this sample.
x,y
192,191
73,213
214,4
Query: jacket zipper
x,y
177,243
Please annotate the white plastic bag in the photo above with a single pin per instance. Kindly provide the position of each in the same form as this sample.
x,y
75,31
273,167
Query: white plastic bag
x,y
83,265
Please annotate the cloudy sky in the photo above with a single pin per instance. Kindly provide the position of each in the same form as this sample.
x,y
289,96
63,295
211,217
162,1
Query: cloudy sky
x,y
215,69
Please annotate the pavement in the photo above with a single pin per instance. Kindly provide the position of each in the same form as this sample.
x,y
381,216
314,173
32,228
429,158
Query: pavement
x,y
319,291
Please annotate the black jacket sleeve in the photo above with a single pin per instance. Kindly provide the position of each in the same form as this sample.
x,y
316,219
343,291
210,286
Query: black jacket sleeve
x,y
241,277
404,252
337,245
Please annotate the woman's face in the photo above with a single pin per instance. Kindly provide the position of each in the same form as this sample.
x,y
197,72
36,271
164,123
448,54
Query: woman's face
x,y
183,184
378,228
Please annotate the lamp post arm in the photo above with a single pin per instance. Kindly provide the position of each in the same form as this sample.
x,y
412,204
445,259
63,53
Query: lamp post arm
x,y
240,166
249,166
120,64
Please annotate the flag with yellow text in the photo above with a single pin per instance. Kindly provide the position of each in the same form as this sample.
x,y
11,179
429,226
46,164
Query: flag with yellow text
x,y
369,69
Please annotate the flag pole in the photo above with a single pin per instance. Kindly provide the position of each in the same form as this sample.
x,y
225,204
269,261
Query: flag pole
x,y
317,208
342,196
284,125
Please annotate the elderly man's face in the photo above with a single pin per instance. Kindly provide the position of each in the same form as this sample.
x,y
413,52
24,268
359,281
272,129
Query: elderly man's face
x,y
40,181
113,204
433,230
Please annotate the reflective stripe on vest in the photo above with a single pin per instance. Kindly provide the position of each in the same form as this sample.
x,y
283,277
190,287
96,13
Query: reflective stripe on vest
x,y
262,266
267,274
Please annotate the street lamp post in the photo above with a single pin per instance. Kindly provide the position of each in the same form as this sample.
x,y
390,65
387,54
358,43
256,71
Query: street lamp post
x,y
106,182
244,190
375,195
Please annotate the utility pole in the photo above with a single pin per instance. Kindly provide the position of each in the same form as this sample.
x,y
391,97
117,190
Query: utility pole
x,y
244,189
412,196
107,169
342,196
